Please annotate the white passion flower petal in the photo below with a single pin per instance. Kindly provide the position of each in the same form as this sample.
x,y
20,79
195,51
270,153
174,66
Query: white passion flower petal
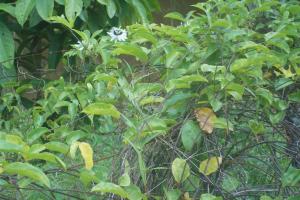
x,y
117,34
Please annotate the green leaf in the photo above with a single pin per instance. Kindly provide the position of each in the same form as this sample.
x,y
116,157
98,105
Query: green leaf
x,y
36,134
102,109
10,147
297,197
265,94
184,82
87,176
25,169
45,8
172,57
173,194
209,197
111,8
131,49
61,20
250,66
6,7
7,47
252,45
124,180
73,9
57,146
175,15
36,148
222,123
190,134
295,96
180,170
107,187
154,126
74,136
282,83
280,43
265,197
23,88
140,9
23,10
212,68
277,117
141,34
256,127
291,177
151,100
142,166
230,183
134,192
45,156
235,90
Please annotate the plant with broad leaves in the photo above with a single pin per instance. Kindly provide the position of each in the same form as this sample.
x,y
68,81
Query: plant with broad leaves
x,y
203,106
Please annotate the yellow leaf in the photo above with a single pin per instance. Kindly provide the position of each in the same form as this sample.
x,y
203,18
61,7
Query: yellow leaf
x,y
210,165
205,117
87,154
1,170
186,196
287,73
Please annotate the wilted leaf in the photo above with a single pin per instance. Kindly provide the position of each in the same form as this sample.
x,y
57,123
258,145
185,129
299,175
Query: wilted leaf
x,y
180,170
87,154
186,196
205,117
210,165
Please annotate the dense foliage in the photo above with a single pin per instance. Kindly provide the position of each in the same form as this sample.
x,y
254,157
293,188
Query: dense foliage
x,y
38,45
208,110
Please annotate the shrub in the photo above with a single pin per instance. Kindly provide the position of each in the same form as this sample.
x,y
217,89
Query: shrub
x,y
202,110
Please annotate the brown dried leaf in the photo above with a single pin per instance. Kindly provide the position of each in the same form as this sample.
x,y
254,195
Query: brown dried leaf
x,y
205,117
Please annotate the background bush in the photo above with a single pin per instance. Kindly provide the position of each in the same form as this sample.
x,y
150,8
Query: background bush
x,y
208,109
